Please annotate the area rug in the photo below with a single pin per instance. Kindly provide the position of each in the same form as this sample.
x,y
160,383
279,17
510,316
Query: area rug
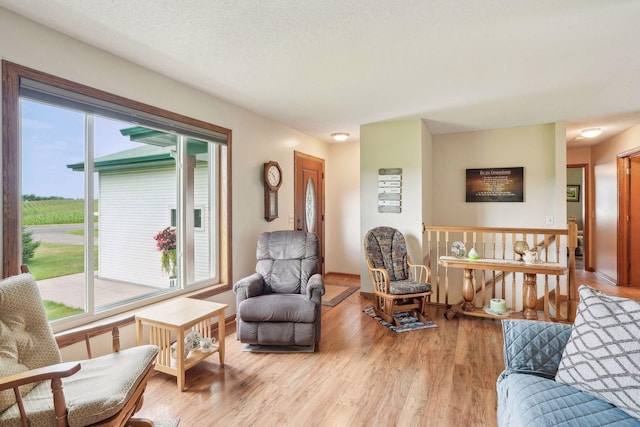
x,y
173,422
335,293
408,322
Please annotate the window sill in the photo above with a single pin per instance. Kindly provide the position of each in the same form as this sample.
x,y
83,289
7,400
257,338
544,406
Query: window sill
x,y
128,317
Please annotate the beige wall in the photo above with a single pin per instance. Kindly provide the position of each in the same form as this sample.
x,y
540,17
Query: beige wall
x,y
343,209
605,193
255,139
392,144
533,147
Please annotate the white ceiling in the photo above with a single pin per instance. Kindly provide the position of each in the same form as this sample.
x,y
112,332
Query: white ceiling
x,y
324,66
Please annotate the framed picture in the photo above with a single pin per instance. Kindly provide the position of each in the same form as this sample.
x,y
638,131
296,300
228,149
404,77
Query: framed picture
x,y
573,193
495,185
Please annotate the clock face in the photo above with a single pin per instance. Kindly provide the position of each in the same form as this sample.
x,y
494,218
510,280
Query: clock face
x,y
273,176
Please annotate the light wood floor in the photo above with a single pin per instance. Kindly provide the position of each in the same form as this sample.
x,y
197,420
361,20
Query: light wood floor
x,y
363,375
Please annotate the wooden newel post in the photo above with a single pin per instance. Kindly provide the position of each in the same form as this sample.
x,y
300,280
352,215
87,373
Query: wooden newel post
x,y
572,286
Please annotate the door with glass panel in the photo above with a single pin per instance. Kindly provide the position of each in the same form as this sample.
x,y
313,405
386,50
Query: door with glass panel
x,y
309,197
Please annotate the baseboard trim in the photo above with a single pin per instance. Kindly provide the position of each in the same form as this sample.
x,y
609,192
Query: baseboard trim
x,y
346,275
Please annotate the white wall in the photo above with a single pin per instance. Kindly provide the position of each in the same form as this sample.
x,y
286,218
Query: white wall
x,y
256,139
533,147
343,210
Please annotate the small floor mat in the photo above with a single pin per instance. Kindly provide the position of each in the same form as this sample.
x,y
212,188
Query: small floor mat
x,y
335,293
408,322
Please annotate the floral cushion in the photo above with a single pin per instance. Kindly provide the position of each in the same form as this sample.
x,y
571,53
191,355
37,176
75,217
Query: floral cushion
x,y
402,287
386,248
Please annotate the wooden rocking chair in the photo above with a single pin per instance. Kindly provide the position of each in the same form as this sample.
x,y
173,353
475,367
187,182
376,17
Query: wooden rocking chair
x,y
398,285
104,391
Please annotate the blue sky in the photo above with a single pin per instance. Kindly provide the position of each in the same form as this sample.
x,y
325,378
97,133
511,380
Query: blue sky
x,y
52,138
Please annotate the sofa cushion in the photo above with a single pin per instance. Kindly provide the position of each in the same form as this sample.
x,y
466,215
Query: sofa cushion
x,y
602,357
278,308
534,347
526,401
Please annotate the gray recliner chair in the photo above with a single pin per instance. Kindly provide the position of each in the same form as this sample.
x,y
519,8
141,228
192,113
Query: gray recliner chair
x,y
280,304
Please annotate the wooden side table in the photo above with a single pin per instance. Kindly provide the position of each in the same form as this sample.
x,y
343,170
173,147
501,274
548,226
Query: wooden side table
x,y
170,322
530,286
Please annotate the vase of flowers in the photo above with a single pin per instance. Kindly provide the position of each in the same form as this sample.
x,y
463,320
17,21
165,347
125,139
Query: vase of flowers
x,y
166,244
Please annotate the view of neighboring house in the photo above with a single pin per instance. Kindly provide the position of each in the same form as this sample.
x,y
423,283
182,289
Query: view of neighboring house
x,y
137,196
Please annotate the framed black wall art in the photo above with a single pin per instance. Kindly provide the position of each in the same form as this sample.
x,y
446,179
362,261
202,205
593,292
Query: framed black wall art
x,y
495,185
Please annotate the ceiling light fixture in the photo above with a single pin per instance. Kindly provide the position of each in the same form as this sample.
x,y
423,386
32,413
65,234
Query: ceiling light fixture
x,y
340,136
591,132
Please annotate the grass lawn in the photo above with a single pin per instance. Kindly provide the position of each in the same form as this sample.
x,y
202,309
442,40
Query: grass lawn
x,y
56,310
54,260
81,232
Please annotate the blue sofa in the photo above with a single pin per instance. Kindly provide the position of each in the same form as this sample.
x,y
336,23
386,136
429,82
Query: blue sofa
x,y
528,395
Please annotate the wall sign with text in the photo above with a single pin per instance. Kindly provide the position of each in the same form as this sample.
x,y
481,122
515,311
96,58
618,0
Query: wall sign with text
x,y
390,190
495,185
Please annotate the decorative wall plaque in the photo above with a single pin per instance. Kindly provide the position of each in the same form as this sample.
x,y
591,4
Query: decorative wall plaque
x,y
390,190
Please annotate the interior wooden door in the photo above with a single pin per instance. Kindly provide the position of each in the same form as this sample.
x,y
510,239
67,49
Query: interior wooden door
x,y
634,221
309,198
629,219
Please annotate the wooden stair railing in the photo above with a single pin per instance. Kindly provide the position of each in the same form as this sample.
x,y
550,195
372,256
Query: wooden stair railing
x,y
557,294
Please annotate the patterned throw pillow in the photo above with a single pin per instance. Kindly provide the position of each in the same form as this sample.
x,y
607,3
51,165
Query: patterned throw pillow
x,y
602,357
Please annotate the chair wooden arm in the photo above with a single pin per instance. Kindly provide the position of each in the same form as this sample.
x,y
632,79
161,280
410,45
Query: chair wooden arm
x,y
61,370
380,279
85,334
54,373
419,273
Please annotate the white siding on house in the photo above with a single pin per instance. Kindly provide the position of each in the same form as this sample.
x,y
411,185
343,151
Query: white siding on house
x,y
134,206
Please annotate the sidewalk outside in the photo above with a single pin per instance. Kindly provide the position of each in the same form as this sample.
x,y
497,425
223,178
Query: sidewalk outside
x,y
70,290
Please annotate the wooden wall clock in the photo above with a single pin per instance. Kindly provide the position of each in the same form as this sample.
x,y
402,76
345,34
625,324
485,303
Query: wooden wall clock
x,y
272,182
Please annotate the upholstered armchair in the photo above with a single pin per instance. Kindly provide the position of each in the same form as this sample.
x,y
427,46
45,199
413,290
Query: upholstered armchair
x,y
37,389
398,285
280,304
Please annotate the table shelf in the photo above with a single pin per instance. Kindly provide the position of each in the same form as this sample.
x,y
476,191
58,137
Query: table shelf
x,y
170,322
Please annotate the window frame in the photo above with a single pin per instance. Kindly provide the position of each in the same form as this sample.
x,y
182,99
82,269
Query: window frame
x,y
12,228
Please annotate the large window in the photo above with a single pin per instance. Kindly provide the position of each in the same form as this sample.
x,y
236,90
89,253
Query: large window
x,y
117,203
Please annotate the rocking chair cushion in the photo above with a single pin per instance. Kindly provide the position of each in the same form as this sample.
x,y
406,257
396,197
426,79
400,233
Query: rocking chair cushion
x,y
402,287
20,334
386,248
98,391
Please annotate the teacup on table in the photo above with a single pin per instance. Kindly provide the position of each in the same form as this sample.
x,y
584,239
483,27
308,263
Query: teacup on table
x,y
498,305
205,345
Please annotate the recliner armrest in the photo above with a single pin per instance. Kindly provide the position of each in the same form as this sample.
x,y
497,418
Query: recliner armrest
x,y
534,347
315,288
247,287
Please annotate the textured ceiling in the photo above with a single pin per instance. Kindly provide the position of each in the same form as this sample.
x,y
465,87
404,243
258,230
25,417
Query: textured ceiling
x,y
324,66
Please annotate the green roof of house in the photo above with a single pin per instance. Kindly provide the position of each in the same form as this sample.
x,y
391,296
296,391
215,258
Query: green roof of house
x,y
156,151
146,155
